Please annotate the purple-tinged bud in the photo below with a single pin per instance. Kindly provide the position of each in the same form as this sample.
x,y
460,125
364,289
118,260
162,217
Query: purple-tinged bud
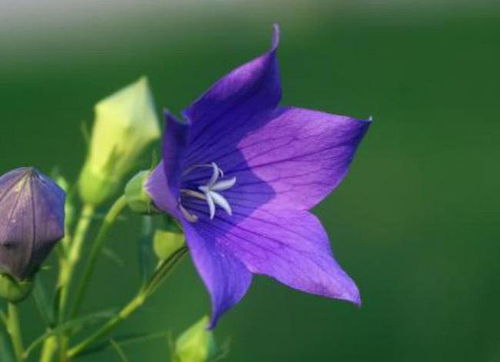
x,y
31,220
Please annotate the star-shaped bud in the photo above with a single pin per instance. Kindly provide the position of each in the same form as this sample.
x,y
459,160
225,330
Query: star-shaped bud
x,y
31,220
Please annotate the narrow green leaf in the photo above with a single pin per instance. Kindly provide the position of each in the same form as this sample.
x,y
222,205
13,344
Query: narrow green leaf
x,y
145,246
56,302
3,318
6,351
42,302
114,257
223,350
75,325
171,345
126,340
79,323
119,351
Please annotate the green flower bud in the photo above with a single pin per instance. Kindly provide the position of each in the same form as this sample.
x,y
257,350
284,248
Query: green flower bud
x,y
138,199
14,291
167,242
125,124
197,344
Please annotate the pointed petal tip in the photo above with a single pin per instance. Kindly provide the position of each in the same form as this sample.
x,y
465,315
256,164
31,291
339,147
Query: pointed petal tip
x,y
142,83
352,296
214,320
366,121
169,115
276,37
143,86
170,118
356,300
33,173
217,313
26,171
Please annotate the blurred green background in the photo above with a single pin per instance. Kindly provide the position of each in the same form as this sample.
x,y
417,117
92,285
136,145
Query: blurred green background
x,y
416,223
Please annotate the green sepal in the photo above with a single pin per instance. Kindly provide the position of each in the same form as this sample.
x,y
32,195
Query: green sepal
x,y
13,290
137,197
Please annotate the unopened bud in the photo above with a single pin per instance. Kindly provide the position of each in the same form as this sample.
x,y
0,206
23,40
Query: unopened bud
x,y
31,220
197,344
125,124
167,242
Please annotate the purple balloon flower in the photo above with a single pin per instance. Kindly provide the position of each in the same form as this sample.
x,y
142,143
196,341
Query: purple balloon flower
x,y
240,175
31,220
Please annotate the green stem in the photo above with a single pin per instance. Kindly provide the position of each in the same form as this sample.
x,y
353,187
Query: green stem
x,y
14,329
49,349
74,255
160,275
67,266
130,308
110,218
163,270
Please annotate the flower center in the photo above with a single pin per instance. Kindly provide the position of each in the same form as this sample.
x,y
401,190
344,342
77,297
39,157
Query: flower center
x,y
209,192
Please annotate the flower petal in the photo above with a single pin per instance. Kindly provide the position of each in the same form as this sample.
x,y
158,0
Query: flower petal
x,y
292,247
229,105
157,187
302,154
226,278
163,184
173,148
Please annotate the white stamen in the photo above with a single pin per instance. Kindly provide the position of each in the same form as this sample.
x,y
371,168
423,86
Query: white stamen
x,y
195,194
210,192
215,175
211,205
221,201
224,184
190,217
194,167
